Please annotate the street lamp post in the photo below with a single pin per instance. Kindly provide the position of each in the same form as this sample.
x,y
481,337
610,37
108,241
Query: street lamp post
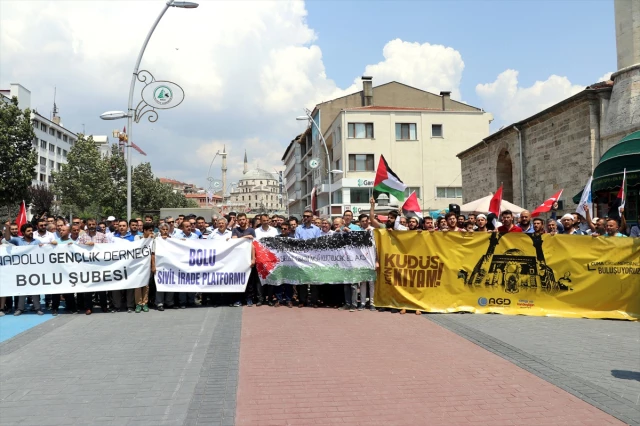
x,y
112,115
308,117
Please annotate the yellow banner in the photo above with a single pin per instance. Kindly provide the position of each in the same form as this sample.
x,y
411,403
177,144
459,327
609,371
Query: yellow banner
x,y
513,274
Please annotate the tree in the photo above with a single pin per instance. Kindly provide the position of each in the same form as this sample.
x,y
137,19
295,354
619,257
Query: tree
x,y
83,180
114,200
41,198
17,157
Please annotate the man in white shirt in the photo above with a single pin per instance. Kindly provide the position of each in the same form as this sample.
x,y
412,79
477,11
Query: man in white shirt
x,y
221,232
325,228
265,231
42,235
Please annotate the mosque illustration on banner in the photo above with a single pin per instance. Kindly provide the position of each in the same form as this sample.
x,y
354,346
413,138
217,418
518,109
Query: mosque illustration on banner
x,y
514,271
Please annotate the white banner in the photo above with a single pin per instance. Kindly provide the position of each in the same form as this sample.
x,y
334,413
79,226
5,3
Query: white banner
x,y
203,266
73,268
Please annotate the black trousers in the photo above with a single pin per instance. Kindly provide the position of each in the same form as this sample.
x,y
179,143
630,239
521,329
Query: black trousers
x,y
69,302
254,289
88,300
308,294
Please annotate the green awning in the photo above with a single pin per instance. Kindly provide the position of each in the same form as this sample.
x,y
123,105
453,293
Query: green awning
x,y
608,173
624,155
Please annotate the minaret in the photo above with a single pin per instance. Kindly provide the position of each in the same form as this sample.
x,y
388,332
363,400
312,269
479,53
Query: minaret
x,y
246,163
623,112
224,172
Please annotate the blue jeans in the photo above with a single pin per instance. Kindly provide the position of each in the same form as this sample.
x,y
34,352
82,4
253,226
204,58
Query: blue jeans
x,y
284,293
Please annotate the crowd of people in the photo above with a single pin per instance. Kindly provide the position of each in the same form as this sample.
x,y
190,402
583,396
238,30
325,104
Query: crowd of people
x,y
356,296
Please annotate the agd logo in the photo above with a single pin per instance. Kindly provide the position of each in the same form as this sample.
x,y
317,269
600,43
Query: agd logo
x,y
483,301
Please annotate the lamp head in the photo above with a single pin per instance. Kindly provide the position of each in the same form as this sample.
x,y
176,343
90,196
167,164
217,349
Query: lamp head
x,y
113,115
302,118
184,4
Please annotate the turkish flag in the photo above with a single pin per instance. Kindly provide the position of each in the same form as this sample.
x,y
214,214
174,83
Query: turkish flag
x,y
22,217
546,206
496,202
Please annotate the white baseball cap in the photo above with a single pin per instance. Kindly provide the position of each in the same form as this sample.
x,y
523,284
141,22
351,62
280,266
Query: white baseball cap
x,y
111,219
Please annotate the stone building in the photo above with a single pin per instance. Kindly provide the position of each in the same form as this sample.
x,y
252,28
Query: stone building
x,y
258,191
560,147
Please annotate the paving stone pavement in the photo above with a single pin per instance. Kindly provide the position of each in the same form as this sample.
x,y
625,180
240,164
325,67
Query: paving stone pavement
x,y
323,366
153,368
596,360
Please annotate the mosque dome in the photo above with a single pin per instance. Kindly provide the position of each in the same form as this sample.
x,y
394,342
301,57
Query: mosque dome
x,y
258,174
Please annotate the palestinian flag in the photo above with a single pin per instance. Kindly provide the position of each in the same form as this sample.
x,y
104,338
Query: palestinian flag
x,y
387,181
411,207
342,258
619,202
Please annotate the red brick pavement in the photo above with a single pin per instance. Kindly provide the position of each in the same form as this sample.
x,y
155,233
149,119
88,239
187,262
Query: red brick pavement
x,y
322,366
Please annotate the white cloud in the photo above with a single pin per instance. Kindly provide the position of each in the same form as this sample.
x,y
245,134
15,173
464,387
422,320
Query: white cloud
x,y
510,102
605,77
247,68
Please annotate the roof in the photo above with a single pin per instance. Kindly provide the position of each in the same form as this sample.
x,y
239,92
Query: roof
x,y
385,84
51,123
171,181
602,86
202,195
391,108
258,174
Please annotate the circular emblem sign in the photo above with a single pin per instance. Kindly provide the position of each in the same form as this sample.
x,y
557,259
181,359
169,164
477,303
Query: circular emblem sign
x,y
162,94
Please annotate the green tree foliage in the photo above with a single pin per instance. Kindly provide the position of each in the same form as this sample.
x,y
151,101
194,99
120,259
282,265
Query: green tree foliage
x,y
17,157
83,179
114,199
148,193
41,199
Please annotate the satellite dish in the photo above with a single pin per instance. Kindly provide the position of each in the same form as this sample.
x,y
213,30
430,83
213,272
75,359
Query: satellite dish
x,y
314,163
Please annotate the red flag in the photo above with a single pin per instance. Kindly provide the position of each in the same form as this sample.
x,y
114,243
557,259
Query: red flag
x,y
411,207
546,206
22,217
496,202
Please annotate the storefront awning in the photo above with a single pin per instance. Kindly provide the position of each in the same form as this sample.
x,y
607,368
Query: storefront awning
x,y
608,173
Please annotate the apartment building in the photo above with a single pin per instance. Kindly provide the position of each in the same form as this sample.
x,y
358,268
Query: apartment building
x,y
52,140
418,132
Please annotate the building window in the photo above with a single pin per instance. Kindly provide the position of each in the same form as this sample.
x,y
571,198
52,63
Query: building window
x,y
360,195
59,151
43,161
36,123
52,131
59,166
52,147
43,127
64,153
406,132
64,138
436,131
59,134
43,144
35,142
361,162
72,141
43,178
52,164
339,164
361,130
410,189
448,192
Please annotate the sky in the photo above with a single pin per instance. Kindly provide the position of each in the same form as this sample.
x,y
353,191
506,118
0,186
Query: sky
x,y
249,68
